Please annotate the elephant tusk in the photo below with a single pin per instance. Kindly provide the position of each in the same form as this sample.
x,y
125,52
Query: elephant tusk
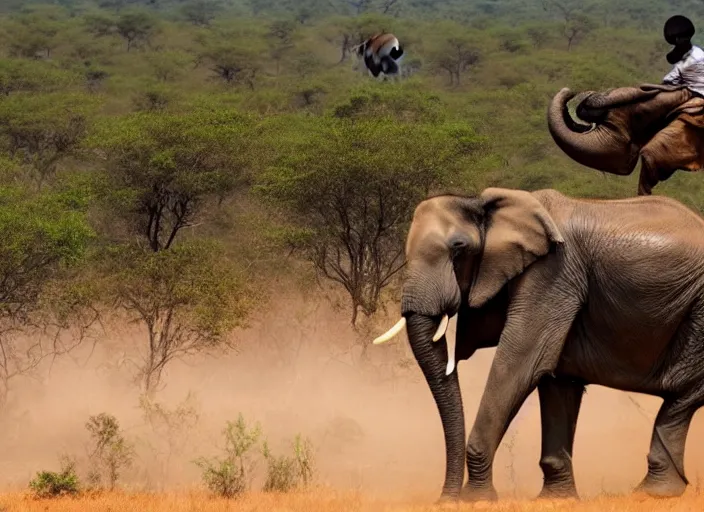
x,y
450,364
391,332
450,352
441,328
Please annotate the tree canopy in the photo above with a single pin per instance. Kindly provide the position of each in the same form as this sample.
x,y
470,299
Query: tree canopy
x,y
162,158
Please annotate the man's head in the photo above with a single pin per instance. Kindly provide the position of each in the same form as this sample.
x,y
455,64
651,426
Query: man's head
x,y
678,31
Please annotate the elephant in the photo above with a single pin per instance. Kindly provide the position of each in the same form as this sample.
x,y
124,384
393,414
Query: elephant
x,y
661,124
571,292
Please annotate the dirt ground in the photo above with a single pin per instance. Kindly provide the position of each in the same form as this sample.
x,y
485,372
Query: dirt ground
x,y
330,501
375,431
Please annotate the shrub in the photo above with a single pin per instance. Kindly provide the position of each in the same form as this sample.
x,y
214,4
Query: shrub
x,y
285,473
49,484
230,476
112,453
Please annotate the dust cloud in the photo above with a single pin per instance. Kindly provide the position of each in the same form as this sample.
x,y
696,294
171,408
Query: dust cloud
x,y
301,368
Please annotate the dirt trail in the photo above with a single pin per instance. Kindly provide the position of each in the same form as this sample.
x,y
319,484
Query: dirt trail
x,y
376,431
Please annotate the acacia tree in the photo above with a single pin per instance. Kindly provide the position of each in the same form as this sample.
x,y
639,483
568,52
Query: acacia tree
x,y
234,54
456,55
281,40
164,168
43,238
353,185
576,23
22,75
136,27
201,12
41,130
33,33
162,171
188,297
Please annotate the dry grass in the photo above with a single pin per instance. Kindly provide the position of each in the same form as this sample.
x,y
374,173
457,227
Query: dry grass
x,y
328,501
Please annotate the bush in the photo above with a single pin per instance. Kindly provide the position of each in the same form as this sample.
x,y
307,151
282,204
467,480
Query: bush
x,y
285,473
230,476
49,484
112,453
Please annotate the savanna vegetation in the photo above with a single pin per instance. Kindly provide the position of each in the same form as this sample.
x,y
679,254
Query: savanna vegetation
x,y
161,161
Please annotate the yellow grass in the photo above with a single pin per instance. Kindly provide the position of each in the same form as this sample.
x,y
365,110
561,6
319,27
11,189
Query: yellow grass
x,y
328,501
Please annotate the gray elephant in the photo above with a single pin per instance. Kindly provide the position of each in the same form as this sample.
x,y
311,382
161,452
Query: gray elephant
x,y
571,292
661,124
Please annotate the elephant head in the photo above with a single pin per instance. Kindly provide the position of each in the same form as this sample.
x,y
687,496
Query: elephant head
x,y
622,121
461,252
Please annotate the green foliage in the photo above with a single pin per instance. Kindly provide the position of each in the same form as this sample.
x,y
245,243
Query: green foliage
x,y
271,92
136,27
354,185
234,54
112,453
201,12
50,484
40,235
163,167
187,297
21,75
230,475
285,473
41,130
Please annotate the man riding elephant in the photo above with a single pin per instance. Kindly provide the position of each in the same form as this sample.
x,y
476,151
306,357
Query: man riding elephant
x,y
688,59
661,125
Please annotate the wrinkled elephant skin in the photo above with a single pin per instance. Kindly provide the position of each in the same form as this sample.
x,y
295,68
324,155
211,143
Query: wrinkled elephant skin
x,y
571,292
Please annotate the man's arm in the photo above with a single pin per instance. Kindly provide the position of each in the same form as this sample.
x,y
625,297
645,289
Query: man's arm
x,y
674,77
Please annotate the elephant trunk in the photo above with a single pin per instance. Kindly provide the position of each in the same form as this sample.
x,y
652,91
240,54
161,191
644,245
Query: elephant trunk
x,y
601,148
432,359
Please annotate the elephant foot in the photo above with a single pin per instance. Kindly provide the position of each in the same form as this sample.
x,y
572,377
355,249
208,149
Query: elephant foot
x,y
484,493
446,500
658,487
557,491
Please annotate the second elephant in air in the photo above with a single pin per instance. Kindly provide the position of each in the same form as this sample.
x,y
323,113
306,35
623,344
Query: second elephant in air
x,y
661,125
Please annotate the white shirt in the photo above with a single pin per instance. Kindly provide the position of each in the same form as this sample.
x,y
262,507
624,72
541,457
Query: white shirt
x,y
689,71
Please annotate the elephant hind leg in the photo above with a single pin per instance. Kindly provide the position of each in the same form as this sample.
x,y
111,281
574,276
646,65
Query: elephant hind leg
x,y
665,477
560,401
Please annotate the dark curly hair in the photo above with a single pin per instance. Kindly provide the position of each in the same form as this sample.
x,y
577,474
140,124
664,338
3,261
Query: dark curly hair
x,y
678,30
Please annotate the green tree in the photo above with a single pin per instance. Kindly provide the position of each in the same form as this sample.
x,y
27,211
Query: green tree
x,y
235,56
188,298
456,53
42,130
169,66
201,12
21,75
163,169
43,238
34,32
112,453
281,40
136,27
353,186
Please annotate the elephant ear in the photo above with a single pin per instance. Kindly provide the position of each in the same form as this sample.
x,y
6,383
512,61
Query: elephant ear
x,y
519,230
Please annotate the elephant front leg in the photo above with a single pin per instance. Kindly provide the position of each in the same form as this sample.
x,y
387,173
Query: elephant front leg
x,y
529,348
513,376
560,400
